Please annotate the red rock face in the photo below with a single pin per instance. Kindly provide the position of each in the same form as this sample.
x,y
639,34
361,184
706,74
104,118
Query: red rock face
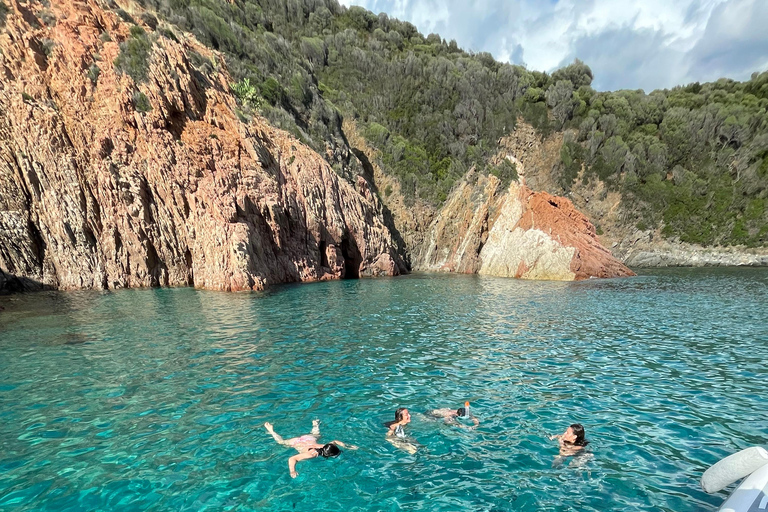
x,y
515,233
95,194
557,217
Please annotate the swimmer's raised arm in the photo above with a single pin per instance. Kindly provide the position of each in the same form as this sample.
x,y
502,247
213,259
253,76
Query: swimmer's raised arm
x,y
310,454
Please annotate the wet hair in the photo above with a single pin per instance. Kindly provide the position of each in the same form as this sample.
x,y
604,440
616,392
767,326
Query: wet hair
x,y
578,431
461,412
328,450
399,414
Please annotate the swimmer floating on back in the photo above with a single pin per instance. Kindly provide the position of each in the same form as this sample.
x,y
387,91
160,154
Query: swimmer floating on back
x,y
396,435
451,415
307,446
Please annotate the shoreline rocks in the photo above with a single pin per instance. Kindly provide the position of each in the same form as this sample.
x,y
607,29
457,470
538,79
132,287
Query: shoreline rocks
x,y
667,254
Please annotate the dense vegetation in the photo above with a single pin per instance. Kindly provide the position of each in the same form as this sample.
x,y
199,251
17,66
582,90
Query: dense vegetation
x,y
3,13
693,159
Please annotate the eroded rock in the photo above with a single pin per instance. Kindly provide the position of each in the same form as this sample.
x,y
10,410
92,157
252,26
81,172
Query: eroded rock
x,y
515,233
97,193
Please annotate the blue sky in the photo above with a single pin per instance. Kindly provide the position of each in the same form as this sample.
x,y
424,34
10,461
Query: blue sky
x,y
646,44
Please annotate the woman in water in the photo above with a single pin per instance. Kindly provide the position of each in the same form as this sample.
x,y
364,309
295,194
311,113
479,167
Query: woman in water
x,y
307,446
450,415
572,441
402,418
396,435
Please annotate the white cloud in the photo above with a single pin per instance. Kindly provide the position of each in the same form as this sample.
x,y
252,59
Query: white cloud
x,y
629,44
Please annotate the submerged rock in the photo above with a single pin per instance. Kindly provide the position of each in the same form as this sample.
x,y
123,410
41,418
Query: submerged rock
x,y
110,183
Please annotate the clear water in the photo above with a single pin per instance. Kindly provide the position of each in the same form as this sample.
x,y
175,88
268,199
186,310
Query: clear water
x,y
156,399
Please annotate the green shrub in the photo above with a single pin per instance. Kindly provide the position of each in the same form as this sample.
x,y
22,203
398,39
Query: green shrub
x,y
125,16
47,46
377,134
3,13
104,36
572,158
506,172
272,91
141,102
135,52
149,19
168,34
247,93
48,18
93,73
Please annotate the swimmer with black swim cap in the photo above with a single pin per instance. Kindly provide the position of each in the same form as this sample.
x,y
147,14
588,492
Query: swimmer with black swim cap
x,y
450,415
307,446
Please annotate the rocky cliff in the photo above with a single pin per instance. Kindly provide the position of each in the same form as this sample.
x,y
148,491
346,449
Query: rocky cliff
x,y
514,232
109,182
126,162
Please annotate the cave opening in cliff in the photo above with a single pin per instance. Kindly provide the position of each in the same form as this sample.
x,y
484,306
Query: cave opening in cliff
x,y
352,258
321,247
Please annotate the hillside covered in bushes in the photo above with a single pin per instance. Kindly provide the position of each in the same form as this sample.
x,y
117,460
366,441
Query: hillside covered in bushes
x,y
692,161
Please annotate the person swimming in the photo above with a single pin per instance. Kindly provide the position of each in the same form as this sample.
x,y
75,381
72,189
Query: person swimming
x,y
307,446
402,418
396,435
450,415
572,441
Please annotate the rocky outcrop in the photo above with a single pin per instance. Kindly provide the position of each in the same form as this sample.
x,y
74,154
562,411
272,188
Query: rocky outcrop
x,y
644,250
109,183
516,233
539,158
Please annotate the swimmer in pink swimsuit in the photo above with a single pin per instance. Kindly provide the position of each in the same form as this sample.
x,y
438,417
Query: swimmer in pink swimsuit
x,y
307,446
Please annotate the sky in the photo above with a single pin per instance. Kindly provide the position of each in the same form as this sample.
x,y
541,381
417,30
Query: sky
x,y
629,44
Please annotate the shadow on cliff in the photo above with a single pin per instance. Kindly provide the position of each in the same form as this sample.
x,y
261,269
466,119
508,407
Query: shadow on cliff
x,y
389,220
10,283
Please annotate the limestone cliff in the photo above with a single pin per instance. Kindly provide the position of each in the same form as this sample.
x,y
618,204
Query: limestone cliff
x,y
517,233
109,183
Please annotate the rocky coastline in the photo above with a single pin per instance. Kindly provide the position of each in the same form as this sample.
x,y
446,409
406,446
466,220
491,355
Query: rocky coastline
x,y
109,181
644,252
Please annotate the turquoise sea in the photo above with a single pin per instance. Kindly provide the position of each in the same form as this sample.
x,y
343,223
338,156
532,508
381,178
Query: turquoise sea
x,y
156,399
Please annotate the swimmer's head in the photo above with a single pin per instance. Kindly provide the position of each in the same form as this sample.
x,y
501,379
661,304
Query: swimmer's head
x,y
329,450
578,435
463,411
402,414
